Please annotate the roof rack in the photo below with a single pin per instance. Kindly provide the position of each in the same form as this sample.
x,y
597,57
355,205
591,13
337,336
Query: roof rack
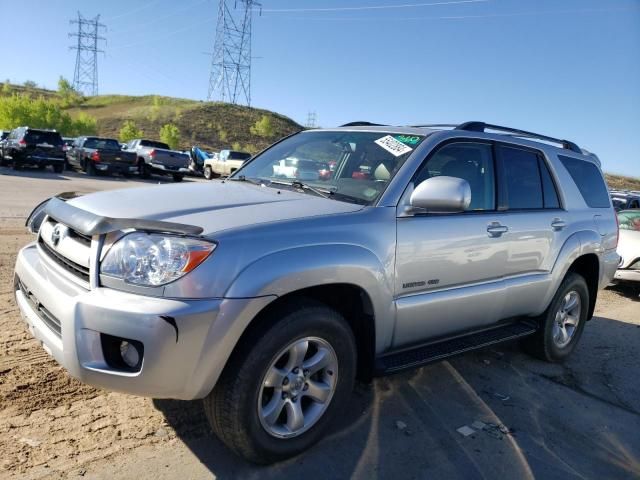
x,y
481,127
363,124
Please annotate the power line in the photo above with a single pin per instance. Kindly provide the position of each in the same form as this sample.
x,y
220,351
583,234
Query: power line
x,y
230,75
373,7
312,120
85,75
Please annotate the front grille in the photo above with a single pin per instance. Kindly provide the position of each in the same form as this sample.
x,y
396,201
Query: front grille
x,y
45,315
75,268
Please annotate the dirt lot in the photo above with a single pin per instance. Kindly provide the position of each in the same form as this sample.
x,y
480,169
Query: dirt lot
x,y
578,420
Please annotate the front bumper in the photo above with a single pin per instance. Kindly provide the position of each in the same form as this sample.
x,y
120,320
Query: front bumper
x,y
182,361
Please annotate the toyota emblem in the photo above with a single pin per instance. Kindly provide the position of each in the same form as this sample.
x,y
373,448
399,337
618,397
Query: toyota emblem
x,y
57,235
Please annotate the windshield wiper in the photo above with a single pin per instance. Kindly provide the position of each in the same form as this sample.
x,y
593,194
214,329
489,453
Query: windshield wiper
x,y
242,178
322,192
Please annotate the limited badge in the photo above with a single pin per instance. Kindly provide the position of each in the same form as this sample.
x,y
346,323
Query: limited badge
x,y
393,146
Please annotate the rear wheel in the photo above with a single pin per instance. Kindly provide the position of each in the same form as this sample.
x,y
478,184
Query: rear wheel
x,y
284,385
58,167
143,169
562,323
177,177
208,173
90,168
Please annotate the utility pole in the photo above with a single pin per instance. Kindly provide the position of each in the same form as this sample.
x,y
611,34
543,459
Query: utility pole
x,y
311,120
85,75
230,75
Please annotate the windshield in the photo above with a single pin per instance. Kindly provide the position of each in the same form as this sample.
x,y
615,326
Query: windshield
x,y
629,220
353,166
102,143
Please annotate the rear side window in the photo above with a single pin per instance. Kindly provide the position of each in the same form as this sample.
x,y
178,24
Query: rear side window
x,y
522,180
549,193
589,181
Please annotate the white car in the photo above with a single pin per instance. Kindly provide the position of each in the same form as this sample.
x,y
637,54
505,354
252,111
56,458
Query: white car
x,y
629,246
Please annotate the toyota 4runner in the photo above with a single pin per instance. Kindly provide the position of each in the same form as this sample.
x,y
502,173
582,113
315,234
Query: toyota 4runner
x,y
268,296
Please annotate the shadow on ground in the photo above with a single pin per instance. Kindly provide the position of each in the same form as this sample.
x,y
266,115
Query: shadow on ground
x,y
577,420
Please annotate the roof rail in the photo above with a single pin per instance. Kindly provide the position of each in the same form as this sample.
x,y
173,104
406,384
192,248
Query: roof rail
x,y
481,127
363,124
436,125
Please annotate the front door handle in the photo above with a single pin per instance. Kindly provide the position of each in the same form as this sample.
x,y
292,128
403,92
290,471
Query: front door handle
x,y
496,229
558,224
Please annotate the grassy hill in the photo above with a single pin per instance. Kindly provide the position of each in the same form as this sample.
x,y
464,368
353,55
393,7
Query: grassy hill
x,y
621,182
210,125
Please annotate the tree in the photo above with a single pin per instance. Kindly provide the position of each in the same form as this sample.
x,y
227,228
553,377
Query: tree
x,y
68,95
263,127
170,135
19,109
6,87
30,84
129,131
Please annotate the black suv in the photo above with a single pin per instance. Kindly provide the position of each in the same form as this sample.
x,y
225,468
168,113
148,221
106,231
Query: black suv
x,y
31,146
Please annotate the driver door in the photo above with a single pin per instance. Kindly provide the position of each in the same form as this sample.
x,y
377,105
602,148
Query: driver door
x,y
449,266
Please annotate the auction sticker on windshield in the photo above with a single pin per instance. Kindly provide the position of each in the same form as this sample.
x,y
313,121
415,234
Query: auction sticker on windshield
x,y
393,146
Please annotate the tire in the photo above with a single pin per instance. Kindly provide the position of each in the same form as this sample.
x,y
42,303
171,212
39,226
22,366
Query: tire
x,y
58,168
237,406
143,169
208,173
177,177
40,166
17,165
549,343
90,168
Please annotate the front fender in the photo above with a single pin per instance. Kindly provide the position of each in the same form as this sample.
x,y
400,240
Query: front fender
x,y
294,269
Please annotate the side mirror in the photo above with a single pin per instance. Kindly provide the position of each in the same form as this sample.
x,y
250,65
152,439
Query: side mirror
x,y
442,195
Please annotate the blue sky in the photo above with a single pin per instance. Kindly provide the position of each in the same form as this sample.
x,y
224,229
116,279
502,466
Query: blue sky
x,y
567,68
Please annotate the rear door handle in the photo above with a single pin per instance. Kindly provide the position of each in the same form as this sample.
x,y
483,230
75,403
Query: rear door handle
x,y
496,229
558,224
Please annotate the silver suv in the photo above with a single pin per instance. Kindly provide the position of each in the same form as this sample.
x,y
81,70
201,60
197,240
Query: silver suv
x,y
374,249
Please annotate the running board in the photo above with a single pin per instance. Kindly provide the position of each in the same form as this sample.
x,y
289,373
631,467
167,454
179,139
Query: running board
x,y
421,355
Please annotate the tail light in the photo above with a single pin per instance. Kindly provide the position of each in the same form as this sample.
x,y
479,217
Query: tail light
x,y
152,153
95,156
22,142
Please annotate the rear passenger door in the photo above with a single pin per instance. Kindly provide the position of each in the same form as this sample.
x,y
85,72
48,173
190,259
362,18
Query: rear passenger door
x,y
537,225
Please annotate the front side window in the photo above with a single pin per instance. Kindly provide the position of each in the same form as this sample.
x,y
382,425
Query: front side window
x,y
470,161
351,166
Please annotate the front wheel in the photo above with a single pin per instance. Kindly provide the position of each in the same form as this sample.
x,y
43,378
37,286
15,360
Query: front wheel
x,y
284,385
208,173
562,323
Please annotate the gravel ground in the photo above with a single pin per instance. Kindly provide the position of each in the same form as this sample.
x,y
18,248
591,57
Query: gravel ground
x,y
577,420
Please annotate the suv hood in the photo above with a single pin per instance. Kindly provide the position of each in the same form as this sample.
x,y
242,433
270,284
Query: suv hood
x,y
213,206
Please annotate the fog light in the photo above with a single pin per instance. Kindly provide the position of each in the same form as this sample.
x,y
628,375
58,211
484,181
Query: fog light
x,y
129,354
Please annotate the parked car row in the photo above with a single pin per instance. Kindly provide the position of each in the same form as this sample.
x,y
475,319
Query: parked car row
x,y
25,146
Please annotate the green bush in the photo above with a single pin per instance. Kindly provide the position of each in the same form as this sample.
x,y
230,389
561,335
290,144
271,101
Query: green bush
x,y
129,131
170,135
263,127
21,110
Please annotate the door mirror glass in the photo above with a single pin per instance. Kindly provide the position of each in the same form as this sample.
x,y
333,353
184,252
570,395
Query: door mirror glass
x,y
442,195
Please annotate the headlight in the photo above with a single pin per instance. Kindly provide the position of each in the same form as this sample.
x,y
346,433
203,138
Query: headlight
x,y
152,259
35,218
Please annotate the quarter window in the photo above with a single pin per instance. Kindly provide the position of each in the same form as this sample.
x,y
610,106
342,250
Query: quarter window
x,y
472,162
589,181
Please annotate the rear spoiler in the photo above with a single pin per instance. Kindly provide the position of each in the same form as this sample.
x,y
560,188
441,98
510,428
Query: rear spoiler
x,y
90,224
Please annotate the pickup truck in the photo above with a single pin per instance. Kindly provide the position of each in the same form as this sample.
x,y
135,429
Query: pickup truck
x,y
225,163
157,157
97,155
